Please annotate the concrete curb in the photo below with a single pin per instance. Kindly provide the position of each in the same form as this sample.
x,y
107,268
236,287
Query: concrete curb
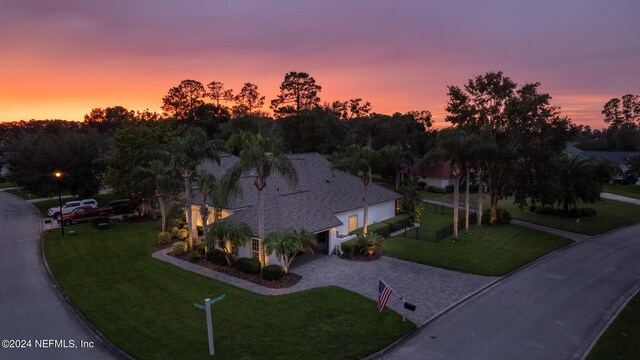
x,y
584,350
69,305
382,353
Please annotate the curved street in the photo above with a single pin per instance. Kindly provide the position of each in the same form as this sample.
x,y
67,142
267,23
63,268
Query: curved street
x,y
554,309
34,319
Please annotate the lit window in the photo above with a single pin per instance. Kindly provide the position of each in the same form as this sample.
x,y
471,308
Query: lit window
x,y
255,248
353,222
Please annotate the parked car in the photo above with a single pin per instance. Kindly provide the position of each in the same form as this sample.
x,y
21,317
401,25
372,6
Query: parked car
x,y
121,206
70,206
84,213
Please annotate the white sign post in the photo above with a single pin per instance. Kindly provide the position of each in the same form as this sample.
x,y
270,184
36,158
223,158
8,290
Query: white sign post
x,y
207,309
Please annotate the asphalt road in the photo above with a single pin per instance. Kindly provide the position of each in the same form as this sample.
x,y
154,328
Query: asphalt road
x,y
32,317
553,309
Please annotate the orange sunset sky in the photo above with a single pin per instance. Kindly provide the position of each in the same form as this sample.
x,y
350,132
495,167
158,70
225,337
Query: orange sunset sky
x,y
58,60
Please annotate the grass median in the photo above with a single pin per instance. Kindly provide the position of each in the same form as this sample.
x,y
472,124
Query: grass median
x,y
632,191
145,306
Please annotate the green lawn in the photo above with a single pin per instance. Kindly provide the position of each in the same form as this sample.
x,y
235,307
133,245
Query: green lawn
x,y
632,191
145,306
7,184
43,206
22,193
489,250
611,214
620,340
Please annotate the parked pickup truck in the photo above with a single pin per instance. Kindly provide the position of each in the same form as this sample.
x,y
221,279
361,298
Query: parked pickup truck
x,y
85,213
70,206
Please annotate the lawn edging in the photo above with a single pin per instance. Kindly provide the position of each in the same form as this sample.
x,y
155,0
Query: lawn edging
x,y
66,301
381,353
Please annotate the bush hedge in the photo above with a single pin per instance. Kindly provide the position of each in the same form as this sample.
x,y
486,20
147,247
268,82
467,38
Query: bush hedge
x,y
217,257
164,237
349,248
196,255
436,190
272,272
179,247
183,234
386,227
502,216
248,265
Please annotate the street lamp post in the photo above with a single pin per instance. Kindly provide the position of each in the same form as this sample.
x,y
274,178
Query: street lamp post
x,y
58,176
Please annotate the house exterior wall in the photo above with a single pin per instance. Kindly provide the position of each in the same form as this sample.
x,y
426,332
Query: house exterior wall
x,y
436,181
377,213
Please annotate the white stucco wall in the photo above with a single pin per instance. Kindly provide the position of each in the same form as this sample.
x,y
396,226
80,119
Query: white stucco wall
x,y
377,213
437,182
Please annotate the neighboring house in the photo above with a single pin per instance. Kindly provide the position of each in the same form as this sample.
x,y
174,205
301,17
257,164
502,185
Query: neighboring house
x,y
618,157
327,202
438,175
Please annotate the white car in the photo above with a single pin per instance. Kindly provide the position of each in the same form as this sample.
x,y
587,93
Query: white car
x,y
70,206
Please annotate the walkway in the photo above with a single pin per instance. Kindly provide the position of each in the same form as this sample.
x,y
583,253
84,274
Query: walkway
x,y
621,198
553,309
31,307
431,289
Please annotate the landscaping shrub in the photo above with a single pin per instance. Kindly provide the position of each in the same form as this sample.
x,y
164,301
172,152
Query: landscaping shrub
x,y
448,189
183,234
164,237
436,190
381,228
216,256
348,248
179,247
399,222
502,216
272,272
369,246
248,266
473,188
174,231
196,255
420,185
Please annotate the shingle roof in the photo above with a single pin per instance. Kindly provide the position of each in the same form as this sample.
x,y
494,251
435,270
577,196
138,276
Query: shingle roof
x,y
322,192
619,157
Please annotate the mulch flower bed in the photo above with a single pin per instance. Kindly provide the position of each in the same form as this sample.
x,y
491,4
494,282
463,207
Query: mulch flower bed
x,y
288,280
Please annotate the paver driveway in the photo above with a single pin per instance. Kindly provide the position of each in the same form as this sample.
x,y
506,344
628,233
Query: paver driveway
x,y
430,289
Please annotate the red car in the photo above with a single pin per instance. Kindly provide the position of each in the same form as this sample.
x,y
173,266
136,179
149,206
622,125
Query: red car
x,y
85,213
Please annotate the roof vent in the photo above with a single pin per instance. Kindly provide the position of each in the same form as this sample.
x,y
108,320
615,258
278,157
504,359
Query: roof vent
x,y
328,181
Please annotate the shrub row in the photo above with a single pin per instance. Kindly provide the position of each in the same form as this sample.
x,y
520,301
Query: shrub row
x,y
502,217
386,227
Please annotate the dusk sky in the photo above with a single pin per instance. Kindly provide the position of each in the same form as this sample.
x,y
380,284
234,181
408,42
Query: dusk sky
x,y
60,59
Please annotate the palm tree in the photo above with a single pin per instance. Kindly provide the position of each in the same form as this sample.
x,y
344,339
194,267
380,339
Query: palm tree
x,y
227,237
396,157
575,181
263,155
361,159
215,192
469,161
451,147
161,177
604,170
187,151
287,244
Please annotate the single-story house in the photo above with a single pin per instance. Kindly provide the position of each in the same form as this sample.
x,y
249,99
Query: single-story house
x,y
617,157
327,202
438,175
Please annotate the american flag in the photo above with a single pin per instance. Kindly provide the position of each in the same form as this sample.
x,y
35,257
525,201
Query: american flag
x,y
384,291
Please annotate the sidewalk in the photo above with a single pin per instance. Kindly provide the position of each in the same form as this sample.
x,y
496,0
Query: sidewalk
x,y
620,198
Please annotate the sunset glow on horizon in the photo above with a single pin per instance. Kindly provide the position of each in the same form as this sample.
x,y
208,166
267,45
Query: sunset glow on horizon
x,y
59,60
